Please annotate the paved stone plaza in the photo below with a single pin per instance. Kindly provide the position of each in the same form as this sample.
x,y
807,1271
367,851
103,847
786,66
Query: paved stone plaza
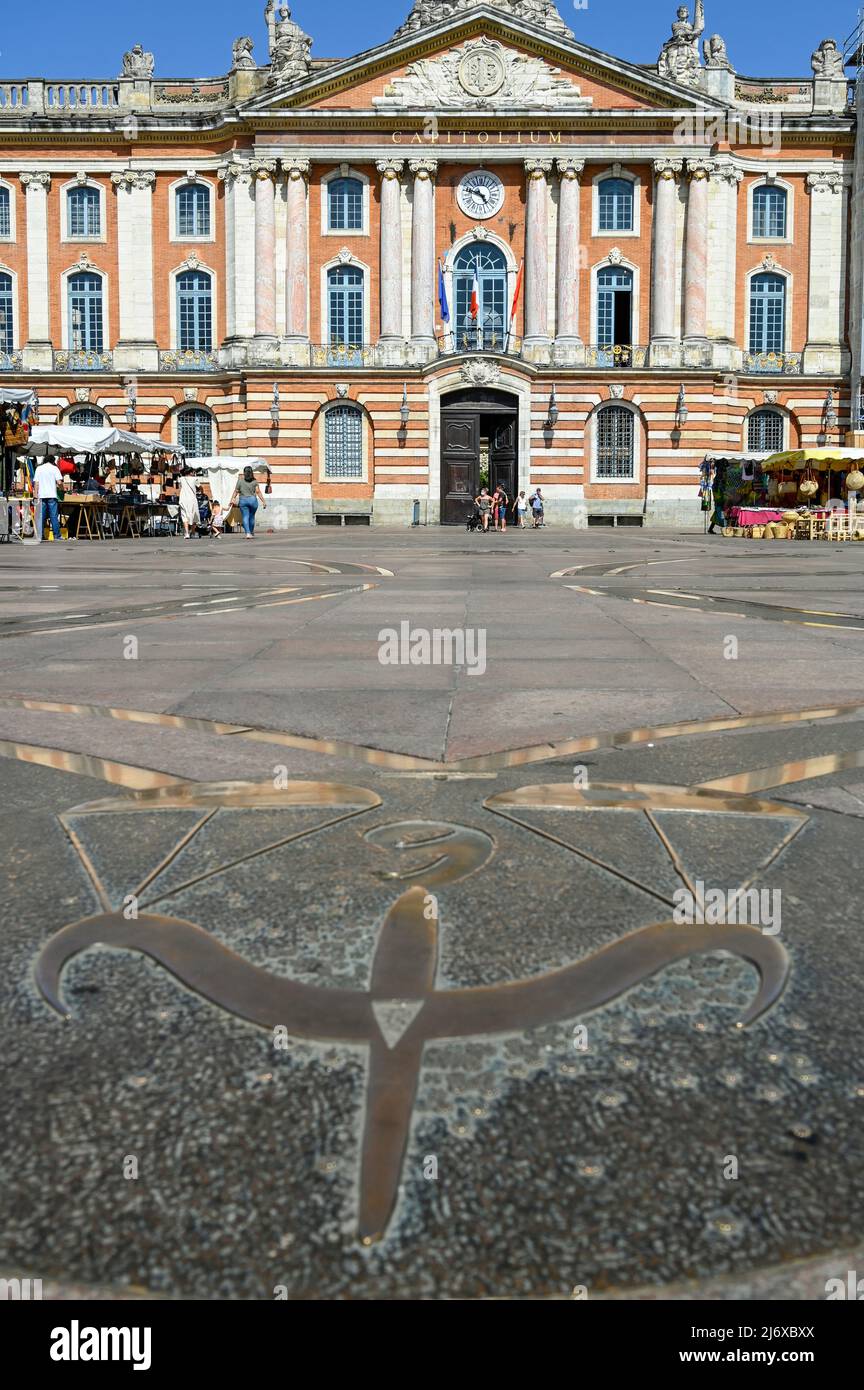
x,y
398,1005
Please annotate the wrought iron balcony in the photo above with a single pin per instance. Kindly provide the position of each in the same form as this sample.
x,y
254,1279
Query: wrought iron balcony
x,y
10,361
782,363
179,360
608,356
485,340
343,355
80,360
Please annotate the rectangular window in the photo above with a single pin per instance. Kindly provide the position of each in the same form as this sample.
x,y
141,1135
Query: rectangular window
x,y
84,213
343,443
193,212
5,213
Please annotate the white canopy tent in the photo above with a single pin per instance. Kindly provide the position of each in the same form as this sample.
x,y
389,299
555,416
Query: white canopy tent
x,y
222,471
50,440
12,396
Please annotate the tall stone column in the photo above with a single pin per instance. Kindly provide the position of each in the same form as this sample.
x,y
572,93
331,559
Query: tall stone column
x,y
826,308
569,242
297,259
696,251
239,256
664,332
390,261
722,283
37,353
136,349
264,171
537,254
423,253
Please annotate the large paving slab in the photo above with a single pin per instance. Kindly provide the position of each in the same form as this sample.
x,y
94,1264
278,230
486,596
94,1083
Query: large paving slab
x,y
356,979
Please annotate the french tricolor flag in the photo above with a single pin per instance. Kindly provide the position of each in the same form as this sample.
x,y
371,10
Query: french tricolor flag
x,y
474,308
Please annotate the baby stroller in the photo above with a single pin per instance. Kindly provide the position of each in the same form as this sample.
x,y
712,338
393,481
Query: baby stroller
x,y
474,520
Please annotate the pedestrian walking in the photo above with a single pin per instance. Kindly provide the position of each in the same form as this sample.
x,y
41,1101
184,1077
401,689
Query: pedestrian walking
x,y
45,480
483,503
536,500
190,514
248,494
520,507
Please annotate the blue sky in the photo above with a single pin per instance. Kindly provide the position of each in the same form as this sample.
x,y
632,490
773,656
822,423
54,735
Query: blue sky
x,y
59,39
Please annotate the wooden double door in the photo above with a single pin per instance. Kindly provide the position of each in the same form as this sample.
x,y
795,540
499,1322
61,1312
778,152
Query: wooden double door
x,y
478,441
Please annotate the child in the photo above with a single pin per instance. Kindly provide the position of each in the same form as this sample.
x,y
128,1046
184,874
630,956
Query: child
x,y
217,520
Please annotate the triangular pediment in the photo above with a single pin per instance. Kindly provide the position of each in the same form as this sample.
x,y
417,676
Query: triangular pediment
x,y
481,60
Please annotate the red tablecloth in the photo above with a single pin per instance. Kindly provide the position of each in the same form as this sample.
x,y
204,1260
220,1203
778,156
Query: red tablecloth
x,y
754,516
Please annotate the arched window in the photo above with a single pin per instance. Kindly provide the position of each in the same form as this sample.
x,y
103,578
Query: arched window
x,y
193,210
345,306
86,415
194,311
488,329
615,459
343,442
5,213
767,313
345,205
82,212
615,205
769,211
765,432
614,307
7,327
195,433
85,312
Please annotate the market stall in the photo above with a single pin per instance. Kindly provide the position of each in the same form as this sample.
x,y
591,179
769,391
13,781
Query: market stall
x,y
818,488
18,415
104,495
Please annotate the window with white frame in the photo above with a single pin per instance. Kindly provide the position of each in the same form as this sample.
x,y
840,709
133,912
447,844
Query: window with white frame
x,y
192,210
769,211
767,313
5,213
85,312
194,311
615,458
765,432
345,205
7,326
343,442
345,306
195,433
614,307
83,213
86,415
615,205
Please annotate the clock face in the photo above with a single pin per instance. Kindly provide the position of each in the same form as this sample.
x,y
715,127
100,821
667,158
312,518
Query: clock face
x,y
480,194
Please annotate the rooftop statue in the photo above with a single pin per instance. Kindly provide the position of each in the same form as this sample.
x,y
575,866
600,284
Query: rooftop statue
x,y
540,12
715,55
290,59
827,61
241,53
679,56
137,63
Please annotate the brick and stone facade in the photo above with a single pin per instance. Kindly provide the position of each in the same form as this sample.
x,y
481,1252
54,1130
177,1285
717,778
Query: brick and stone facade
x,y
501,88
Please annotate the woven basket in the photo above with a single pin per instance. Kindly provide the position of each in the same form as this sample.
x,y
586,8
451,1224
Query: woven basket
x,y
787,489
808,487
728,530
756,532
855,480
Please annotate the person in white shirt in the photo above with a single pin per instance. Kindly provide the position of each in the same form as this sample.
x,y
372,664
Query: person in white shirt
x,y
45,479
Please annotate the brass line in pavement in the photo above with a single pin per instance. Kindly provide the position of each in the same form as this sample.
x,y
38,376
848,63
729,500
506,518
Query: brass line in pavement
x,y
733,608
377,757
785,774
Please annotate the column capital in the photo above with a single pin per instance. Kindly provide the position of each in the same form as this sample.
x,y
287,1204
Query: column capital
x,y
698,169
667,168
263,168
569,168
538,168
235,171
390,168
423,168
36,178
296,169
825,181
726,172
133,178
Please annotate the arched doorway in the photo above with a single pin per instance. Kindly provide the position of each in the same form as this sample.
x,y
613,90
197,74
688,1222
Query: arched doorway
x,y
479,444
